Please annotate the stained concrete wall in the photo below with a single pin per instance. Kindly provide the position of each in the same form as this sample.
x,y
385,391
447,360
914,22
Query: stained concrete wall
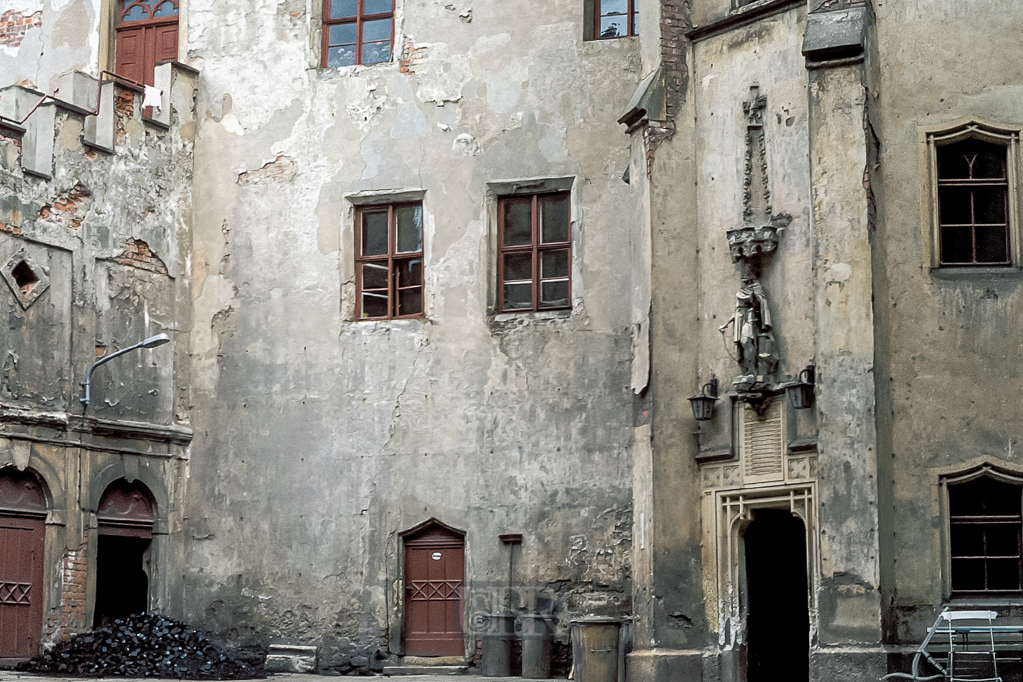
x,y
948,350
320,438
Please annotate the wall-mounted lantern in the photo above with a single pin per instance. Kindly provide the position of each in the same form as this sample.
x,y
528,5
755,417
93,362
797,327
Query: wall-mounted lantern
x,y
800,392
703,404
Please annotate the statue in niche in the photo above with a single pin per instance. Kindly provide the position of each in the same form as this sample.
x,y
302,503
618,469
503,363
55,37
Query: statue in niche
x,y
753,336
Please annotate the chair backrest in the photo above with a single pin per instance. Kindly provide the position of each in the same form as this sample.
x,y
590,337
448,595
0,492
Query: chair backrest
x,y
971,646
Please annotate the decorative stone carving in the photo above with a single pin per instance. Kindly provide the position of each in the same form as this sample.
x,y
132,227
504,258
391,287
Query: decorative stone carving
x,y
759,234
25,277
753,336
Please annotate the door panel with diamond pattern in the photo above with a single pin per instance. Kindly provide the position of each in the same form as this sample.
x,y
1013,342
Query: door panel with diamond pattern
x,y
434,598
21,578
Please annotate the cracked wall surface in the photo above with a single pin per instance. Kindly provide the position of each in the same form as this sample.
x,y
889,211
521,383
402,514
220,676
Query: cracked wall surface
x,y
321,438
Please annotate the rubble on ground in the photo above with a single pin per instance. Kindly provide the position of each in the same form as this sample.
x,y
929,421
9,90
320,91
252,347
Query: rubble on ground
x,y
145,645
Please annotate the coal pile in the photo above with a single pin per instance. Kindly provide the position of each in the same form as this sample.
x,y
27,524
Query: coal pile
x,y
143,646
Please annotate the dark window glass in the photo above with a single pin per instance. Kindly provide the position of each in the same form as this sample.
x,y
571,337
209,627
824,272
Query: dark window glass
x,y
615,18
389,268
357,31
534,270
973,193
986,537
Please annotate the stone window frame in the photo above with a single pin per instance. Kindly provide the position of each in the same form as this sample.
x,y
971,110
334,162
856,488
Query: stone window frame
x,y
1000,473
355,202
933,137
527,186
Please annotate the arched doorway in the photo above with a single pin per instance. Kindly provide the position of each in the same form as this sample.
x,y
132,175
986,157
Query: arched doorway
x,y
777,615
125,515
22,544
434,590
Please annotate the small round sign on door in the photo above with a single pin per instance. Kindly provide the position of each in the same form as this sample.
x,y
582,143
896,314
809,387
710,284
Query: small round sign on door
x,y
436,556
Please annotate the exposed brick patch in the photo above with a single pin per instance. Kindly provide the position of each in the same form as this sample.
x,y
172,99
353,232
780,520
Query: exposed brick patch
x,y
14,26
675,21
281,169
137,254
410,58
69,208
71,618
124,109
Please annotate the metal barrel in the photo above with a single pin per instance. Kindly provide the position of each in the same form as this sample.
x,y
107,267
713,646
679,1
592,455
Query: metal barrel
x,y
498,630
537,640
595,648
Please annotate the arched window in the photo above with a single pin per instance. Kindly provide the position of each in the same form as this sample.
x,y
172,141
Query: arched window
x,y
147,34
986,537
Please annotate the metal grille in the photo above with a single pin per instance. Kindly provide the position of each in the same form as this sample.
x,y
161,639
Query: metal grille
x,y
763,445
435,590
15,593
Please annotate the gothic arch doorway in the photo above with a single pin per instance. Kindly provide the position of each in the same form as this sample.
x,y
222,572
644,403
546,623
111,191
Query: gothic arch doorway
x,y
22,545
434,590
777,608
125,515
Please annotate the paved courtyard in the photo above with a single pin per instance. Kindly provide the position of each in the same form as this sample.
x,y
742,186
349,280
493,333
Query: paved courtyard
x,y
11,676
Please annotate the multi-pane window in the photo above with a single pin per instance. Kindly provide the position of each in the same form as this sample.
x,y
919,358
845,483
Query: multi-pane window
x,y
357,31
534,269
973,203
389,265
986,537
615,18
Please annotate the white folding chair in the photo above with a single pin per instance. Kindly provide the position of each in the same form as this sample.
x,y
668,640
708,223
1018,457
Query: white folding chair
x,y
971,660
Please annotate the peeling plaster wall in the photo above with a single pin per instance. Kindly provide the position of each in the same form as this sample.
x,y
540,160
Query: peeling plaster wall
x,y
63,35
320,438
107,236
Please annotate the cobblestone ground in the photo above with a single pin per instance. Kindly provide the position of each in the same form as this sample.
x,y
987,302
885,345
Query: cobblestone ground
x,y
10,676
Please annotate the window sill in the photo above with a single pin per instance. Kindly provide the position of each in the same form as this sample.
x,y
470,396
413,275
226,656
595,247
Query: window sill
x,y
351,69
995,272
989,602
506,321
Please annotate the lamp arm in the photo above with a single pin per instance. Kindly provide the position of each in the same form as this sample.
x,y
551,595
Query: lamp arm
x,y
104,359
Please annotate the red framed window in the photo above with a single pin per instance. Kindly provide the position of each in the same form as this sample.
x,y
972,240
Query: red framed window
x,y
986,539
534,269
389,265
357,31
615,18
973,203
146,34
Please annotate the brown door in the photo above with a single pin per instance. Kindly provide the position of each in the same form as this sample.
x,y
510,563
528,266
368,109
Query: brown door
x,y
434,594
22,539
147,34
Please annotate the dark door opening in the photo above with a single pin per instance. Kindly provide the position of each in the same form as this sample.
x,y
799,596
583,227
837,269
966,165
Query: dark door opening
x,y
125,516
778,617
122,586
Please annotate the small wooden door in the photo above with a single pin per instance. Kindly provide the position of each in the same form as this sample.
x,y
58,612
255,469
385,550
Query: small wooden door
x,y
22,542
434,591
147,34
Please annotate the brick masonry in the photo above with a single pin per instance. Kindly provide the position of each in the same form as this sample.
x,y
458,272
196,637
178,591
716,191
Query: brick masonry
x,y
138,255
14,26
675,21
70,619
69,208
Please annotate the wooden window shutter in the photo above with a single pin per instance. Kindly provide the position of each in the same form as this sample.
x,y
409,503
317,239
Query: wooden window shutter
x,y
762,445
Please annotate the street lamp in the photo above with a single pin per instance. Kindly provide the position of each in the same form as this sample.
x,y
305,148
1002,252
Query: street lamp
x,y
151,342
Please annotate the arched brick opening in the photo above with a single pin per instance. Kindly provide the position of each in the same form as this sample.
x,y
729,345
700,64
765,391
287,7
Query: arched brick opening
x,y
125,515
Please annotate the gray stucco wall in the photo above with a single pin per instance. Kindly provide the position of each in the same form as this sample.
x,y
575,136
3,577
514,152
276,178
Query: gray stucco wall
x,y
320,438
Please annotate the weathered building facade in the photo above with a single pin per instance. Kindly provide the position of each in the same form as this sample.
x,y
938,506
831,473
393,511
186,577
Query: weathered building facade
x,y
439,292
824,156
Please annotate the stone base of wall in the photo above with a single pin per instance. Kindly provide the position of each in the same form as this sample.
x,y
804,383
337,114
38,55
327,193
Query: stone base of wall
x,y
664,665
849,664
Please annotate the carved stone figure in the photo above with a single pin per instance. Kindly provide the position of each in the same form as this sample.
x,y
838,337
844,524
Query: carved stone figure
x,y
753,336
